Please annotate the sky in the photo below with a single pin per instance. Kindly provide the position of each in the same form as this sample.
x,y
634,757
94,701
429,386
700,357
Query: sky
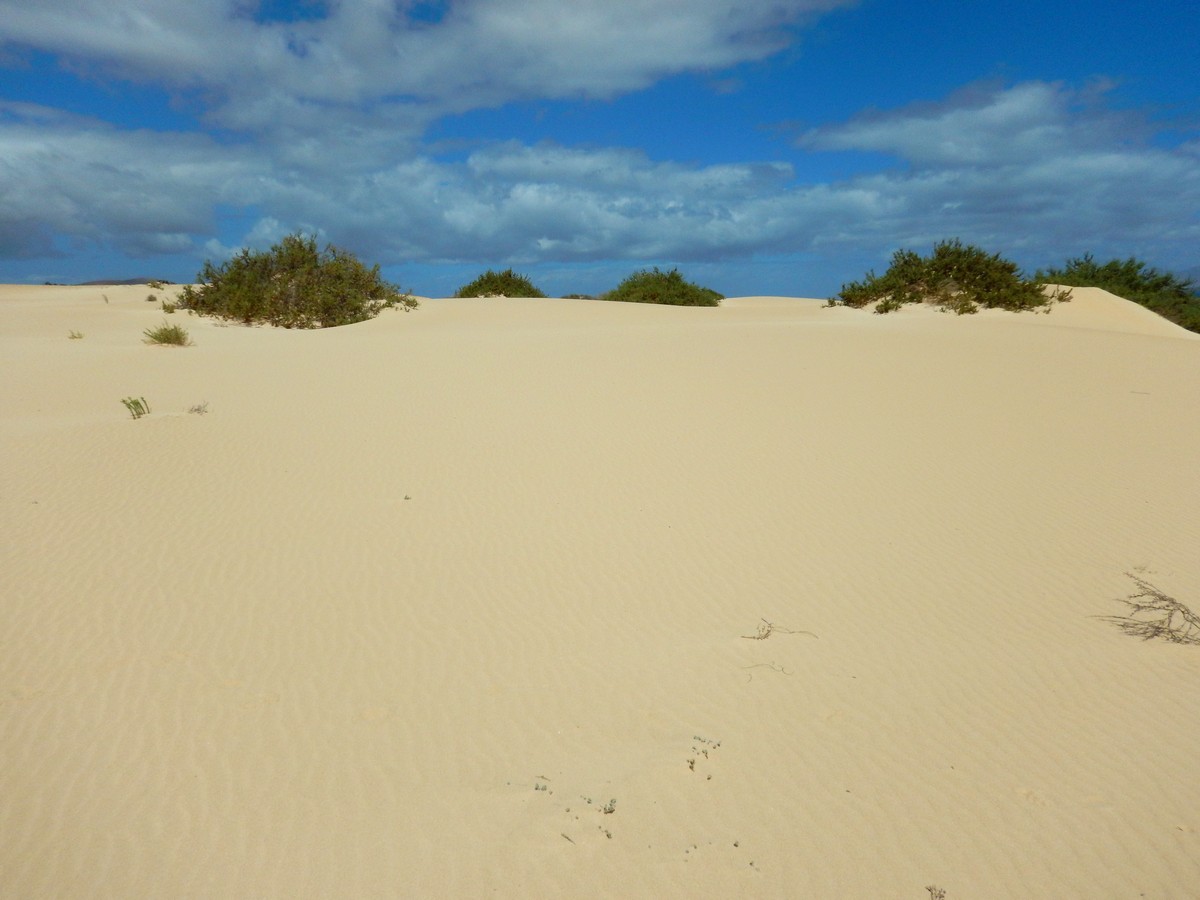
x,y
759,146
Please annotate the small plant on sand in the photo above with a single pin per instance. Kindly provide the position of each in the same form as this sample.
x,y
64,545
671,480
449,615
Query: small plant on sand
x,y
294,285
958,278
156,284
1152,614
656,286
168,335
935,892
75,335
499,284
137,406
1171,297
169,307
199,409
150,298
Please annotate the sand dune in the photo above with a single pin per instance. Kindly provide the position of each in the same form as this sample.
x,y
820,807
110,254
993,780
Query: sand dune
x,y
463,602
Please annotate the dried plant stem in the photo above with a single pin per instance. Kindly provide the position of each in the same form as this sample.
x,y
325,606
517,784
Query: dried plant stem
x,y
1153,614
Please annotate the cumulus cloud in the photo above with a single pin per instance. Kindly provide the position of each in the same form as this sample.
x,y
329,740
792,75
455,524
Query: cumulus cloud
x,y
320,125
381,56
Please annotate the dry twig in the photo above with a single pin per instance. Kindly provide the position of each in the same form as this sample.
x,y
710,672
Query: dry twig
x,y
766,629
1153,614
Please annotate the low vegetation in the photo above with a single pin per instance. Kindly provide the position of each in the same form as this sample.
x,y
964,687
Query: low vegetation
x,y
656,286
293,285
75,335
499,284
1171,297
958,277
168,335
137,406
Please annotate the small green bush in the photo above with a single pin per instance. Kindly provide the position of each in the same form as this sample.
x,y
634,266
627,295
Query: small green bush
x,y
170,335
957,277
293,286
656,286
499,284
1171,297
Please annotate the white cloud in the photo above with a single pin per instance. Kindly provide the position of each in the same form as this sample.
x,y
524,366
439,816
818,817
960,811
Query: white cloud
x,y
151,193
370,56
323,121
985,125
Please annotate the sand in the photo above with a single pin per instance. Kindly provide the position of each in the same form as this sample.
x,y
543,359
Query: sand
x,y
465,602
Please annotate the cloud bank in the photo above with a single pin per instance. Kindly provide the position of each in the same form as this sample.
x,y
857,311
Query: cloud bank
x,y
317,124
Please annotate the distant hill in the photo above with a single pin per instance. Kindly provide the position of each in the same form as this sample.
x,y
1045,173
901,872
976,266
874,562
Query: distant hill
x,y
115,281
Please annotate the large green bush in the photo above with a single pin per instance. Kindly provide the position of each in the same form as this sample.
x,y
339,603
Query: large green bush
x,y
499,284
294,286
655,286
957,277
1171,297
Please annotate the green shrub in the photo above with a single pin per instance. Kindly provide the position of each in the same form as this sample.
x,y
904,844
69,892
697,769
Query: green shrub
x,y
957,277
170,335
293,286
1171,297
655,286
499,284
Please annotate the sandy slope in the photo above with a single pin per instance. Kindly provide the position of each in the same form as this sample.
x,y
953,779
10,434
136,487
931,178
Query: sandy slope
x,y
418,598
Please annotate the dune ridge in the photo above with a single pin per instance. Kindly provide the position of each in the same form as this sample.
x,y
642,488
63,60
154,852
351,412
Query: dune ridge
x,y
418,599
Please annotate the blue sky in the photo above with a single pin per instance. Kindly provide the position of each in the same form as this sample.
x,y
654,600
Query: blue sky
x,y
762,146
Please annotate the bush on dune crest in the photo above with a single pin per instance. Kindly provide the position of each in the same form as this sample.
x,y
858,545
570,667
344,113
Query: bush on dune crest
x,y
293,286
655,286
499,284
957,277
1171,297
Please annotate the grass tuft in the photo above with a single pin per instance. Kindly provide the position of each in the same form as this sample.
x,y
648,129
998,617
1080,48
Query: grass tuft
x,y
137,406
168,335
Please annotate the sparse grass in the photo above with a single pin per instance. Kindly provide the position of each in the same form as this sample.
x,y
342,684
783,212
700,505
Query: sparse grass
x,y
168,335
499,284
169,307
199,409
1153,614
75,335
137,406
151,298
656,286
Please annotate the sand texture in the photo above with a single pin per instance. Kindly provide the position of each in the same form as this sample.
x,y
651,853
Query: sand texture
x,y
474,602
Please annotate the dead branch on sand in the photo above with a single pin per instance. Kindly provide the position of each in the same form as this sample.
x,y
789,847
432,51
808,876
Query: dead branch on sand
x,y
1152,614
